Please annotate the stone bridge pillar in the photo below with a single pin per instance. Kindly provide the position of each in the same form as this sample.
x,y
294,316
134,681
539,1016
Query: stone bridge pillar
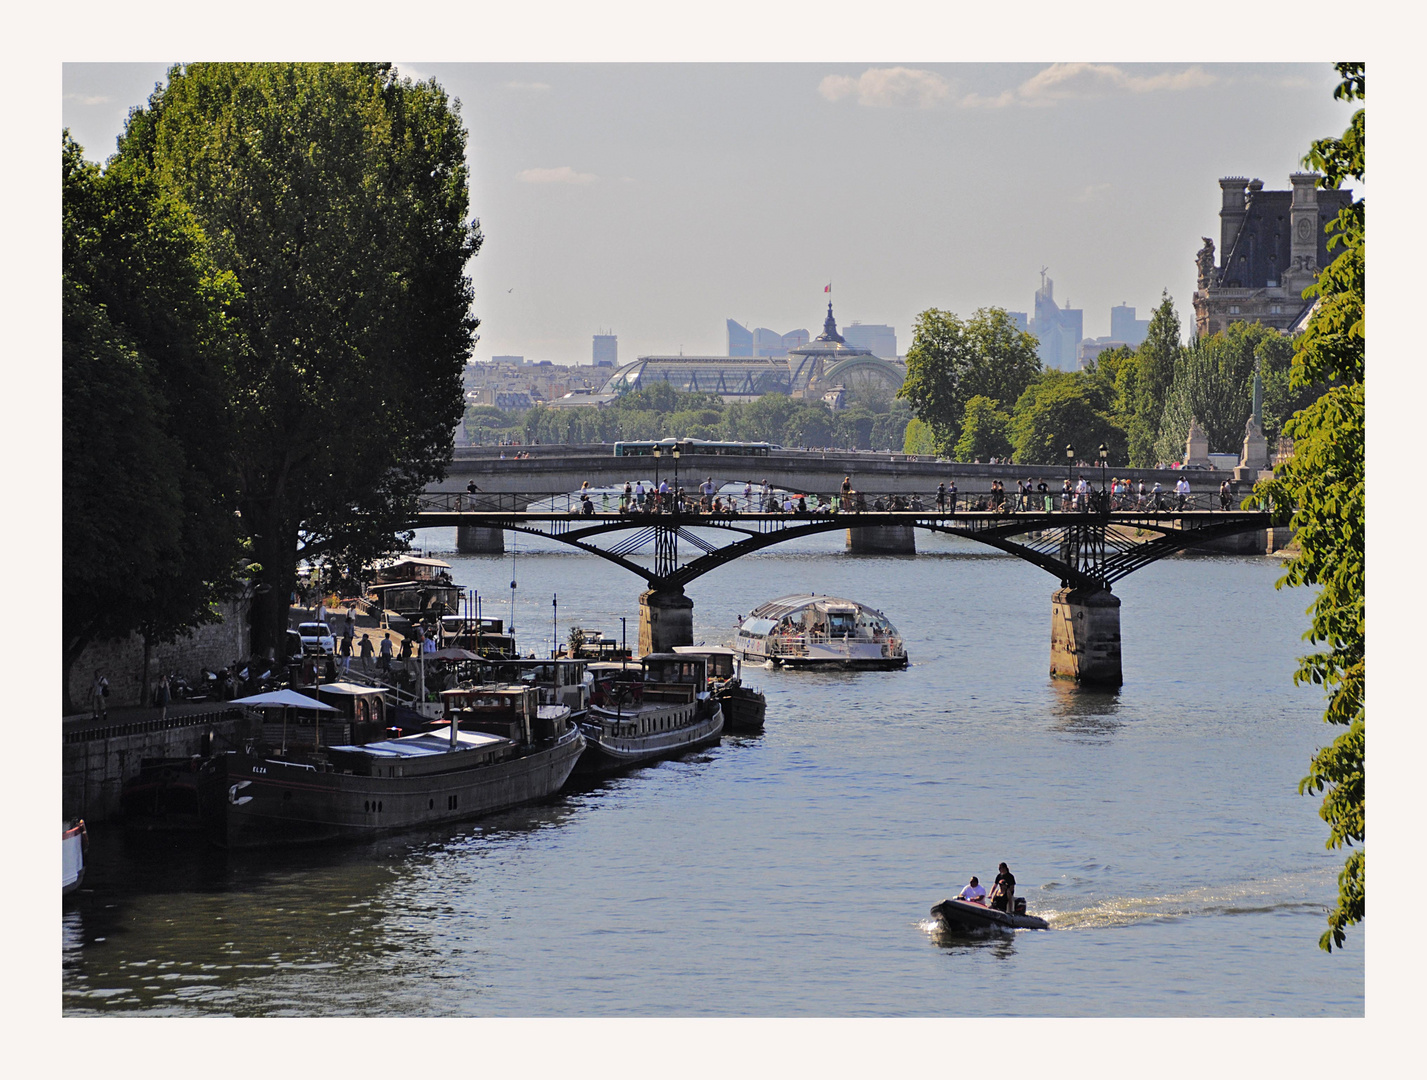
x,y
1085,636
882,540
475,540
666,619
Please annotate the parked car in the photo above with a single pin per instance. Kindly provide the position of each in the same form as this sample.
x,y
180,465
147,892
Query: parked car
x,y
316,637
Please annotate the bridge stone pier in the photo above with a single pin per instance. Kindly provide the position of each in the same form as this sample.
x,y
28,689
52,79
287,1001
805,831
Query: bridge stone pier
x,y
882,540
1085,636
666,619
475,540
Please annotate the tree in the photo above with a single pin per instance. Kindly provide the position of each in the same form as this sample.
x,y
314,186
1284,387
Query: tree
x,y
151,544
336,197
1142,384
985,431
1213,383
917,439
1324,484
951,361
1064,408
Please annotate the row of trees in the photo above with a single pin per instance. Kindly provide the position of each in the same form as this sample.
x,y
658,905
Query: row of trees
x,y
266,316
871,421
979,391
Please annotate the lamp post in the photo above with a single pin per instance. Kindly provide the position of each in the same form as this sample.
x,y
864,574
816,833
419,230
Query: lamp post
x,y
623,637
675,452
1069,466
1104,458
658,453
555,625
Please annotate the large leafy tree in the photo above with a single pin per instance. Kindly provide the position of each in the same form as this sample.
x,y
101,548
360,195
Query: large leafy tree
x,y
985,431
1324,484
952,361
336,197
1213,383
151,545
1060,409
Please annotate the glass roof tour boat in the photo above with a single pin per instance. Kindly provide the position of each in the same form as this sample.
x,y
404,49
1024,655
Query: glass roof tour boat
x,y
812,631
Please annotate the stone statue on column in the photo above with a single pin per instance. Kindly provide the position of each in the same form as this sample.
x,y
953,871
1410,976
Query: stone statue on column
x,y
1255,453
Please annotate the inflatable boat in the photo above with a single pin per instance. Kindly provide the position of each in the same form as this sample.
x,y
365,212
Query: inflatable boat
x,y
964,917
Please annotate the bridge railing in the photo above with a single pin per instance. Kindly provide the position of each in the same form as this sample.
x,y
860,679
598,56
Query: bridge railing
x,y
605,502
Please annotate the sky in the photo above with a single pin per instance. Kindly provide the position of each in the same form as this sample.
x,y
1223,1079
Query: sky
x,y
656,200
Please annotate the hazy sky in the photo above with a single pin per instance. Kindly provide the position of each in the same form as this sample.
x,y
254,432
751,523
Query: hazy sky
x,y
656,200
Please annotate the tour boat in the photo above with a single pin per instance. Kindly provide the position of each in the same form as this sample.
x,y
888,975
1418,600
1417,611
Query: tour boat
x,y
500,748
964,917
812,631
644,710
743,706
76,846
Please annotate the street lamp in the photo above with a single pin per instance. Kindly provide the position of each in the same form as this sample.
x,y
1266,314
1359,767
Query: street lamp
x,y
675,452
1069,464
1104,459
658,453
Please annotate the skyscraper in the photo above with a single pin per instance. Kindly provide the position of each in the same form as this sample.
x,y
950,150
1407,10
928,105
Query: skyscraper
x,y
878,339
606,353
1058,329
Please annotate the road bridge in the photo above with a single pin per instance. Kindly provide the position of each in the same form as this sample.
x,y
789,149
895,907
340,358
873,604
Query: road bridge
x,y
1087,547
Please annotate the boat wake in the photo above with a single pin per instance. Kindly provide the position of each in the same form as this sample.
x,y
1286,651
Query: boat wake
x,y
1288,893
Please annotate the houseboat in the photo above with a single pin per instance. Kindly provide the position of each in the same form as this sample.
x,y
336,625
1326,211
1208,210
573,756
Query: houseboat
x,y
812,631
76,846
647,709
496,747
743,705
414,589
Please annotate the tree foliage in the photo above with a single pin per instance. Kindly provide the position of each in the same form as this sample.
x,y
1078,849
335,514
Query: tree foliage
x,y
335,195
1213,383
1060,409
1142,383
952,361
150,545
985,431
1324,483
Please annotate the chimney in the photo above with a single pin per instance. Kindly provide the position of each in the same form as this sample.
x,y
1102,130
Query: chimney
x,y
1231,216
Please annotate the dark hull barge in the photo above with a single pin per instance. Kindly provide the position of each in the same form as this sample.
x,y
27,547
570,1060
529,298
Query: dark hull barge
x,y
962,917
647,710
744,706
498,749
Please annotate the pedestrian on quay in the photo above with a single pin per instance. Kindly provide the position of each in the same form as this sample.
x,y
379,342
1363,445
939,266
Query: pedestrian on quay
x,y
161,696
386,652
347,651
404,654
99,696
366,650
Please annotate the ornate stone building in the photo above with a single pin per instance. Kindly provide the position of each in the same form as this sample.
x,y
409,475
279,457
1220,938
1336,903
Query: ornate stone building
x,y
1271,244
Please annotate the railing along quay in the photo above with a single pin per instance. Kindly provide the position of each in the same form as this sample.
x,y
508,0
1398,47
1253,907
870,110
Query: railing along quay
x,y
142,727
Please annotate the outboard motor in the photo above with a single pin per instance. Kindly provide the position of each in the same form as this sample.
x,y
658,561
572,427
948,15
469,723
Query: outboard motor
x,y
1020,905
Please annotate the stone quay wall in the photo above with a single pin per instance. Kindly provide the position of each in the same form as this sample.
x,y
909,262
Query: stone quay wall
x,y
213,647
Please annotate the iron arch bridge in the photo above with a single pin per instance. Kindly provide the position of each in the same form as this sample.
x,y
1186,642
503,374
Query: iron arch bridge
x,y
1085,548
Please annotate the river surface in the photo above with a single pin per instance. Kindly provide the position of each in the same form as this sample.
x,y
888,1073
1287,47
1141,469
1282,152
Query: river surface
x,y
790,874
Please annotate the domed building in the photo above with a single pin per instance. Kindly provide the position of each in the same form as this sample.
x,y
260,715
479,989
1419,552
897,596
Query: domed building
x,y
809,371
829,363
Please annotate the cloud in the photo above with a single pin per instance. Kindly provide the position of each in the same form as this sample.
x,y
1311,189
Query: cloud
x,y
563,175
89,99
1091,192
1067,82
537,86
887,87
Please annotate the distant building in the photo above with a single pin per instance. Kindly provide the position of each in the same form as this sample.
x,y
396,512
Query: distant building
x,y
806,370
1271,246
1125,328
762,341
877,339
1089,349
1059,330
1023,324
517,360
606,354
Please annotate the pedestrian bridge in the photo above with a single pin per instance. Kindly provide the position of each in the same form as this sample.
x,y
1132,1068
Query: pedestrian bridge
x,y
1087,549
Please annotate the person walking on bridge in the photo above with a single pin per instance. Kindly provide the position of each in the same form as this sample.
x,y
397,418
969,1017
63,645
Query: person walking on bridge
x,y
941,498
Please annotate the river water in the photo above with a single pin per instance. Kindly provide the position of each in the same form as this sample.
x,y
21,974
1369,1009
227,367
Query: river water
x,y
790,874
